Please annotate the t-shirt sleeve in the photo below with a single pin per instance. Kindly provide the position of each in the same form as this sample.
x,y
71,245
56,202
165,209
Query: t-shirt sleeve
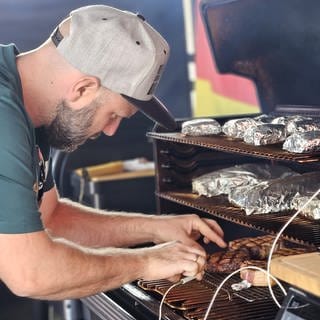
x,y
19,208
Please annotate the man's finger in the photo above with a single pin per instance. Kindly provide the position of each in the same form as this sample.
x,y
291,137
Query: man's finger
x,y
209,232
215,226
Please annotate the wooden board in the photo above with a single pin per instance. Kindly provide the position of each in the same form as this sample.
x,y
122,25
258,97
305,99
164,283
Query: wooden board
x,y
125,175
301,271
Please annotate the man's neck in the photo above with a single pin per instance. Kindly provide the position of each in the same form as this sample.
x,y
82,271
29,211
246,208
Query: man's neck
x,y
34,78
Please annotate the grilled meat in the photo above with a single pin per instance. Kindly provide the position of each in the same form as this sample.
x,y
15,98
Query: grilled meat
x,y
226,261
259,247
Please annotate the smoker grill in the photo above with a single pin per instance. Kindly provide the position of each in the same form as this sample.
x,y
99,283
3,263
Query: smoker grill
x,y
276,43
178,160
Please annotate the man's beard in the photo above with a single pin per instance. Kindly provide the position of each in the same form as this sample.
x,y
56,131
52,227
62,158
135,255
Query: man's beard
x,y
70,128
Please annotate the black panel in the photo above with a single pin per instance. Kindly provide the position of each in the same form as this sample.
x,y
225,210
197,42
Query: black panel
x,y
276,43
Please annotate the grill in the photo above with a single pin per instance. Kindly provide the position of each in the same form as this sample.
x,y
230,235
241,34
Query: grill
x,y
280,54
178,160
193,298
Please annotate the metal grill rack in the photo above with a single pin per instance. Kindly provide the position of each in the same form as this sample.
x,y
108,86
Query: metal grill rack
x,y
180,158
192,299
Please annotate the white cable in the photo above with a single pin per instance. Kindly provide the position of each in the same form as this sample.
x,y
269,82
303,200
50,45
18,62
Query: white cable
x,y
182,281
277,238
232,274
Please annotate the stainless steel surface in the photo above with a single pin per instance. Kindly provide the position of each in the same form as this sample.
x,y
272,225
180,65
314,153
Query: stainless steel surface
x,y
106,308
127,303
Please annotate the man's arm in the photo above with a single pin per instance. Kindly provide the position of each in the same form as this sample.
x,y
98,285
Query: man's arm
x,y
35,266
39,265
97,228
91,227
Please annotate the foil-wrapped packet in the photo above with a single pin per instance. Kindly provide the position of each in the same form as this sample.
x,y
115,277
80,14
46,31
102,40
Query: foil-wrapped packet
x,y
236,128
264,134
223,180
311,210
264,118
285,120
303,126
244,284
274,195
201,127
304,142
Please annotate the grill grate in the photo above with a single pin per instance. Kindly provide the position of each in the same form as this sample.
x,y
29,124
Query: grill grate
x,y
193,298
307,230
226,144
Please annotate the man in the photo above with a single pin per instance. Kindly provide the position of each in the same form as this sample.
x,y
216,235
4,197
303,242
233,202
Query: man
x,y
99,66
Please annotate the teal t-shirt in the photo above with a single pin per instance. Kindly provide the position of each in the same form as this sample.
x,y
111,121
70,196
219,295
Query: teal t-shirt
x,y
19,154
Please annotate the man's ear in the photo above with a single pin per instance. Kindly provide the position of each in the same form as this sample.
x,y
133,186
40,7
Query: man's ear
x,y
83,90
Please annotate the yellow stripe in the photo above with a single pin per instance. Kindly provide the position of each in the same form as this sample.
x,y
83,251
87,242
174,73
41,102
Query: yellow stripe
x,y
209,103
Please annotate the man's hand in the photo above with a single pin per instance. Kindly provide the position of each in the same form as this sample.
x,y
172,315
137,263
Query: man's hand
x,y
172,260
187,229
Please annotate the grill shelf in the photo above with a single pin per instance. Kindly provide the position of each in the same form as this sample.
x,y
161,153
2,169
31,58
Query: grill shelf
x,y
193,298
307,230
227,144
184,154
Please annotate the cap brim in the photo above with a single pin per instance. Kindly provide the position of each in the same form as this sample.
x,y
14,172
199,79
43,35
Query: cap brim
x,y
155,110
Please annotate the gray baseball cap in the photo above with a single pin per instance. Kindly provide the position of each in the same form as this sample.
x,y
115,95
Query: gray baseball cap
x,y
123,51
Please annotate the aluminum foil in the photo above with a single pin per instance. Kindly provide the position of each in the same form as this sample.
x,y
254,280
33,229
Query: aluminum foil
x,y
274,195
224,180
236,128
285,120
302,126
264,118
244,284
312,210
265,134
303,142
201,127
